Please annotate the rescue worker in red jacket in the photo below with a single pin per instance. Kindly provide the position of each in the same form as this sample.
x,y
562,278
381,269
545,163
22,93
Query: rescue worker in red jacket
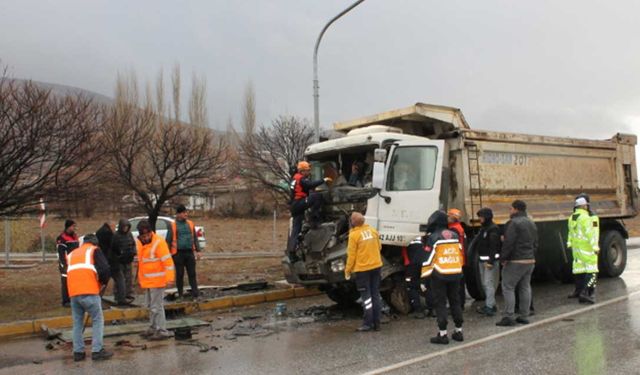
x,y
454,217
66,242
185,250
302,197
444,266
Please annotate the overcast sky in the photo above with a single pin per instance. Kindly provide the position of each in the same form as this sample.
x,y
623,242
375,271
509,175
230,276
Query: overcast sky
x,y
549,67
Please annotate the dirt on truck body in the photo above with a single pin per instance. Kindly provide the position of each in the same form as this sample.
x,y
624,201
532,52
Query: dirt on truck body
x,y
425,157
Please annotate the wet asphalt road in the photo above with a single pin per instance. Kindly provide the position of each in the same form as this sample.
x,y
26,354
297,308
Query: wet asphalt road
x,y
603,340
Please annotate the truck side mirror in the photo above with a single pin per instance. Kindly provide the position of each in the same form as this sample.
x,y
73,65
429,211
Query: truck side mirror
x,y
377,181
380,154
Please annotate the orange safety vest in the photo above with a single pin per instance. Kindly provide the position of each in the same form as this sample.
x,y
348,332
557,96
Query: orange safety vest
x,y
446,258
155,266
82,277
174,238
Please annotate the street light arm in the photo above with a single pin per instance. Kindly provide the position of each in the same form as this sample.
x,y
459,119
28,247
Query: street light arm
x,y
316,87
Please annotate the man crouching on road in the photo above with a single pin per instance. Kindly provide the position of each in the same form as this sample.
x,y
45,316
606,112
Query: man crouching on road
x,y
444,266
363,258
155,273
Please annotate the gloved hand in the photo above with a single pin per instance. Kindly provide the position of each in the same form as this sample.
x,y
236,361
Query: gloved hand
x,y
488,265
328,180
347,276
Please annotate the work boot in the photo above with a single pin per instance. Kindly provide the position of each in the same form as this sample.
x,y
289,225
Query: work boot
x,y
364,328
506,322
79,356
430,313
418,315
437,339
457,336
102,355
575,294
485,310
148,333
376,326
586,298
522,320
161,335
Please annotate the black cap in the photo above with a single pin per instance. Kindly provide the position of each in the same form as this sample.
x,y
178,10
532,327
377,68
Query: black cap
x,y
144,227
91,238
68,223
486,213
180,208
519,205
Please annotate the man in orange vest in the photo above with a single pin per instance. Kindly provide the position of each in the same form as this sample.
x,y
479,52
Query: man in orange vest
x,y
155,273
454,217
87,269
185,250
444,266
363,258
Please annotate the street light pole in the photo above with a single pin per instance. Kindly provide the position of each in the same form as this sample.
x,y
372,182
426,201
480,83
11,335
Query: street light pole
x,y
316,87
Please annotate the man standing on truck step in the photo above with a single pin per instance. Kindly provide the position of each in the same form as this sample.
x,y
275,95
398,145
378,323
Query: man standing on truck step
x,y
518,261
488,246
444,266
87,270
454,217
583,237
66,242
301,199
155,273
185,250
364,259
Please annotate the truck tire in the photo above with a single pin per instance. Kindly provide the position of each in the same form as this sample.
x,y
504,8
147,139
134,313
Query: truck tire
x,y
613,254
397,295
343,297
472,273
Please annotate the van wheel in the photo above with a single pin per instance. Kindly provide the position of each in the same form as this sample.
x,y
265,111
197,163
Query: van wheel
x,y
613,254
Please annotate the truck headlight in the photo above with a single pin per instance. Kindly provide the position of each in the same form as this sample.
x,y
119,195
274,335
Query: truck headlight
x,y
337,265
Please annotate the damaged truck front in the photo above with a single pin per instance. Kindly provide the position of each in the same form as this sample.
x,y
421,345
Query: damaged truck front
x,y
421,158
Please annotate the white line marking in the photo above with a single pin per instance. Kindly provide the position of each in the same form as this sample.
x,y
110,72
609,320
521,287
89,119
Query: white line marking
x,y
553,319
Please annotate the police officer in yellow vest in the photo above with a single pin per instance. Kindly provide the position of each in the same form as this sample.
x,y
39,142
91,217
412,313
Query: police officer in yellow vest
x,y
583,237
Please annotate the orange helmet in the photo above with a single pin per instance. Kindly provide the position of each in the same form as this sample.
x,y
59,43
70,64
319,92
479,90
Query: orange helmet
x,y
454,212
304,166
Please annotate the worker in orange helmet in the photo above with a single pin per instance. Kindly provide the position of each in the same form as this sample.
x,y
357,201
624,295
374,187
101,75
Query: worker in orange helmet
x,y
301,199
454,217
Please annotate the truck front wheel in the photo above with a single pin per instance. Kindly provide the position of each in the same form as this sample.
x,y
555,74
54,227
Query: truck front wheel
x,y
396,294
613,253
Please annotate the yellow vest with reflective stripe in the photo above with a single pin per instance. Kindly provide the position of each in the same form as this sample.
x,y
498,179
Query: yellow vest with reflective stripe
x,y
583,237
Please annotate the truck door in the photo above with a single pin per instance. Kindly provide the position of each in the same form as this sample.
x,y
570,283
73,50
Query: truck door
x,y
412,182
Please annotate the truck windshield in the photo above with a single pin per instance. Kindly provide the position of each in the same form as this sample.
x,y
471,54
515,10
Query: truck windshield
x,y
412,168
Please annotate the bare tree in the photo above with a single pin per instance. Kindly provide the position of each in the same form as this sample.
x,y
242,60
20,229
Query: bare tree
x,y
270,153
49,146
159,157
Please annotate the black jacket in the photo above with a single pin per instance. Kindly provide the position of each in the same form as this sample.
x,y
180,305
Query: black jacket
x,y
488,243
105,236
102,266
520,238
123,246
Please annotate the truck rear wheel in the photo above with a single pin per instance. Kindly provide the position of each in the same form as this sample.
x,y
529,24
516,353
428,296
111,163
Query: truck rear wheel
x,y
613,254
472,274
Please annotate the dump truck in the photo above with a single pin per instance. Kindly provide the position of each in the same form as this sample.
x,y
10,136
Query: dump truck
x,y
424,157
